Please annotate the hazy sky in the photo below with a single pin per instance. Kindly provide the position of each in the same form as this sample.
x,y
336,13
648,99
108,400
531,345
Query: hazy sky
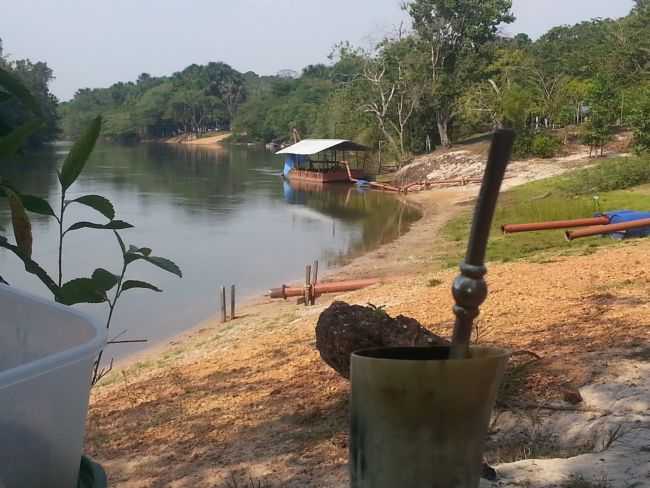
x,y
93,43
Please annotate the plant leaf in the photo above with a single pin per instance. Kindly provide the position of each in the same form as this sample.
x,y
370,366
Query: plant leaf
x,y
105,280
99,203
20,221
10,143
145,251
79,154
112,225
81,290
37,205
164,263
17,88
139,284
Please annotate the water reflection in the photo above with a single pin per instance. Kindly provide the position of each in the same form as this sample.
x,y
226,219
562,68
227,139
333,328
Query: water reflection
x,y
224,215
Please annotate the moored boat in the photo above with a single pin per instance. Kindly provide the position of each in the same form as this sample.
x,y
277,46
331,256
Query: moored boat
x,y
321,161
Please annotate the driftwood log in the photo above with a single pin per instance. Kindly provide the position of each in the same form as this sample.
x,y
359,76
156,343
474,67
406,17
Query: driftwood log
x,y
343,328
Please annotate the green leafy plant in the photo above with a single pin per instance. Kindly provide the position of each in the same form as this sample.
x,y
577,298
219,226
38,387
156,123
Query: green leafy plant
x,y
97,287
103,281
545,146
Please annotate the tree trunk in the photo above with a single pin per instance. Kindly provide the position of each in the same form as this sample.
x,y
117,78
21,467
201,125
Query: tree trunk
x,y
442,120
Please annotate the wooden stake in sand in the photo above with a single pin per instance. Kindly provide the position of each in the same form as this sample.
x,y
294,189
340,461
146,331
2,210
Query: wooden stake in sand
x,y
232,302
224,314
470,289
314,282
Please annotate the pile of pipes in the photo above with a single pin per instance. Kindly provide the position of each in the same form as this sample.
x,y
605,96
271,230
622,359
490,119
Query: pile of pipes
x,y
620,224
312,289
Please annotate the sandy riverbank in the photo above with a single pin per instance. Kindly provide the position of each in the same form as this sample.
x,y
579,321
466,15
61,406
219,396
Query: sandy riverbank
x,y
252,397
211,140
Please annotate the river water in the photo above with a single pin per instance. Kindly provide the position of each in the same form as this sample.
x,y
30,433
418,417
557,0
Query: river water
x,y
224,215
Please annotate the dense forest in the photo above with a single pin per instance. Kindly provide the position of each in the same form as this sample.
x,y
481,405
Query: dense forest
x,y
451,74
36,77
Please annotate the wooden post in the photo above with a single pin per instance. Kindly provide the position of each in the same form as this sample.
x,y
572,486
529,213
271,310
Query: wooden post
x,y
232,302
224,315
307,285
314,282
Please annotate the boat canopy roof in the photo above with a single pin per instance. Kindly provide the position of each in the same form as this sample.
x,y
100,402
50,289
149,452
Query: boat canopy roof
x,y
308,147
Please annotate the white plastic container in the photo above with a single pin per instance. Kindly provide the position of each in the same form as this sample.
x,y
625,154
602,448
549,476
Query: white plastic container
x,y
46,357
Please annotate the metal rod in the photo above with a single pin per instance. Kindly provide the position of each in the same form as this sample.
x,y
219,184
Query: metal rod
x,y
469,289
232,302
607,229
224,316
554,224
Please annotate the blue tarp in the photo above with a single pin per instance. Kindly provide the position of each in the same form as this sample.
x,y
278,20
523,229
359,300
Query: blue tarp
x,y
293,161
622,216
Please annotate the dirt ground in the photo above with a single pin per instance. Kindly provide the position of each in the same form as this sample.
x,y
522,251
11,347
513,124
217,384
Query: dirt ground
x,y
252,399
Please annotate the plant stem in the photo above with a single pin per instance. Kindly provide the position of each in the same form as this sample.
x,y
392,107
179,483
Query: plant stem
x,y
97,375
61,237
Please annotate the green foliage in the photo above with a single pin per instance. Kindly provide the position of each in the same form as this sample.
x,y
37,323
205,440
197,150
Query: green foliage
x,y
79,154
587,74
91,475
610,175
14,86
193,101
20,222
128,285
80,290
112,225
639,119
99,203
37,205
558,198
12,142
104,280
27,108
545,145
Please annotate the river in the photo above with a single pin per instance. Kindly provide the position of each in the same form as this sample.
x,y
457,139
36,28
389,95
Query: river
x,y
223,215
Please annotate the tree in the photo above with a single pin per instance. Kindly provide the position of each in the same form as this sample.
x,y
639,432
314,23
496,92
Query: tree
x,y
393,91
451,31
639,118
36,77
602,105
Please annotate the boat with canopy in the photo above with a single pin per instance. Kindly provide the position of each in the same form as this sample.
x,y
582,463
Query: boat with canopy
x,y
321,161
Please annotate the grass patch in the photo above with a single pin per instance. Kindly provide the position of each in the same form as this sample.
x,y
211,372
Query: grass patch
x,y
610,175
557,198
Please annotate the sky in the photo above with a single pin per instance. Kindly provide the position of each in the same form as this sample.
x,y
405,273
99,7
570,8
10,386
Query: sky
x,y
92,43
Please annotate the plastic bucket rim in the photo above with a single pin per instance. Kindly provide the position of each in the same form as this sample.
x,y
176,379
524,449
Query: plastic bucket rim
x,y
51,362
363,354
